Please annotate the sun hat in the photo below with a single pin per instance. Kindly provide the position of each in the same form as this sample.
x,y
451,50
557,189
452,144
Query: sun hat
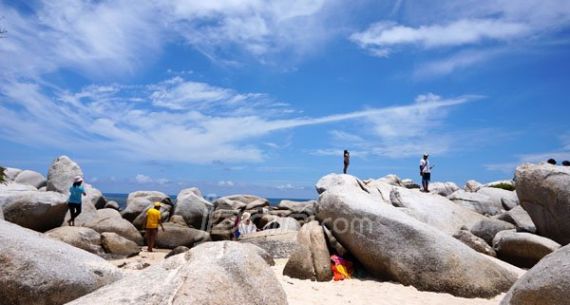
x,y
78,179
245,216
157,204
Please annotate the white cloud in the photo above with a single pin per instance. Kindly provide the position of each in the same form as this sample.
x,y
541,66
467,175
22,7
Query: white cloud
x,y
227,183
382,36
142,179
456,62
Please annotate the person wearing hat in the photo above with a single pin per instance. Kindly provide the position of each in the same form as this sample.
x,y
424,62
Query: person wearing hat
x,y
246,226
74,201
152,222
425,172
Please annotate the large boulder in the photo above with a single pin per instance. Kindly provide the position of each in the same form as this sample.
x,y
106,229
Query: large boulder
x,y
175,235
548,282
499,197
278,243
61,174
94,196
392,245
472,186
210,274
193,207
311,260
522,249
298,207
240,202
109,220
119,246
476,243
488,228
39,211
520,218
11,173
138,202
443,188
476,202
544,192
80,237
43,271
32,178
16,187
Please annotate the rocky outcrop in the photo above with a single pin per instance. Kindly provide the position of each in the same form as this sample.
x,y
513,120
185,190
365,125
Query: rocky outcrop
x,y
39,211
108,220
212,273
544,192
11,173
472,186
175,235
278,243
546,283
476,202
428,259
112,205
138,202
520,218
32,178
476,243
501,198
83,238
61,174
488,228
43,271
177,250
118,246
16,187
193,207
311,260
240,202
522,249
443,188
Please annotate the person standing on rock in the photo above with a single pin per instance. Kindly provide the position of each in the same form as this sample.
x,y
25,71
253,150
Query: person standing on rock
x,y
346,161
74,201
152,222
425,172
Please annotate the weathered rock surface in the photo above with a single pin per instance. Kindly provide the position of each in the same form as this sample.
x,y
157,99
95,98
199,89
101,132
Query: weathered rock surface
x,y
278,243
548,282
32,178
544,192
522,249
443,188
476,243
16,187
520,218
175,235
112,205
240,202
138,202
39,211
476,202
210,274
61,174
10,173
472,186
428,260
119,246
311,260
307,207
79,237
37,270
193,207
284,223
500,198
177,250
488,228
109,220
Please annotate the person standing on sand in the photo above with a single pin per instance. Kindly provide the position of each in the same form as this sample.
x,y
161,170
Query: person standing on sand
x,y
152,221
346,161
425,172
74,201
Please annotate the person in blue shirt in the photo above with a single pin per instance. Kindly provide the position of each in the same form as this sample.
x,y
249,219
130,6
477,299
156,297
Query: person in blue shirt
x,y
74,202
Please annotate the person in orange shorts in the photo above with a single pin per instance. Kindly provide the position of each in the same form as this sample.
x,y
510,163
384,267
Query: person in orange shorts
x,y
152,221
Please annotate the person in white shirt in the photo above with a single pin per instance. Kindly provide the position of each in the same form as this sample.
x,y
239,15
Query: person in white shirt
x,y
246,226
425,172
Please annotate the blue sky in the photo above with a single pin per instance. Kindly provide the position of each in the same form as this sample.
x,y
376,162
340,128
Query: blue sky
x,y
262,96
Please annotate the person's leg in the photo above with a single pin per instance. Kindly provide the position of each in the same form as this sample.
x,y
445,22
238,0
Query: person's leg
x,y
151,238
73,212
428,178
345,168
424,183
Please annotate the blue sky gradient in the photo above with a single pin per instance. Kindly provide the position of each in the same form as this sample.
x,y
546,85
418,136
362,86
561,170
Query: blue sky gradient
x,y
262,96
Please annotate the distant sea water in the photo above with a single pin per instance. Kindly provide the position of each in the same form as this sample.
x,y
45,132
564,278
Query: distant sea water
x,y
121,199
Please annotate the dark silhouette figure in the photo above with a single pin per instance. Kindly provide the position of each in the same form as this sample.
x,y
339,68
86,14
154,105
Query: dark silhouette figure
x,y
551,161
346,161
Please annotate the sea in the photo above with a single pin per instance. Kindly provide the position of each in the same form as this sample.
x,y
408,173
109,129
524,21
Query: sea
x,y
121,199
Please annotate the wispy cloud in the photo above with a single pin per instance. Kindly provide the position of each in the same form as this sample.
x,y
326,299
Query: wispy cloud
x,y
459,61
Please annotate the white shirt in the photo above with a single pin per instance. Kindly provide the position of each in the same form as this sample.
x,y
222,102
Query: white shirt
x,y
425,166
246,228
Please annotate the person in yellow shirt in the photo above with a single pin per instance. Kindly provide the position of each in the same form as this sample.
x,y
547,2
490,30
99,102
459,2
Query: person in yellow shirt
x,y
152,221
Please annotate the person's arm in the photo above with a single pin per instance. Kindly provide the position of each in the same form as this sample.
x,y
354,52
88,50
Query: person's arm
x,y
160,223
83,191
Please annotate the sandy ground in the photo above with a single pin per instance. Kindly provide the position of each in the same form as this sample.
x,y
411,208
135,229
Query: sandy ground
x,y
354,291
